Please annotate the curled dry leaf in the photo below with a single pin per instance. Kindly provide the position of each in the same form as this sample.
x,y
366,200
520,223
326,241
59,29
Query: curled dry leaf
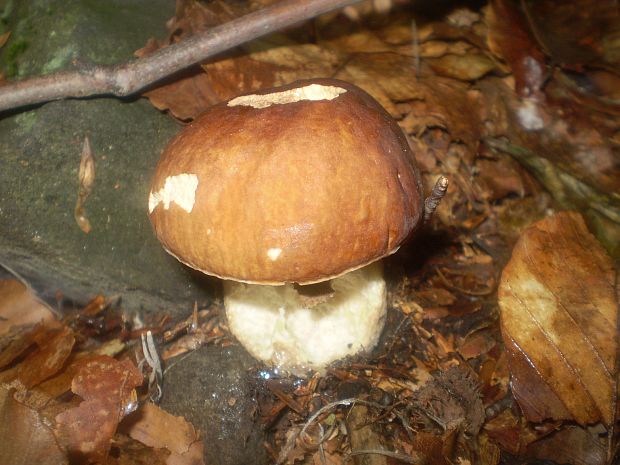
x,y
86,178
19,306
107,387
559,314
157,428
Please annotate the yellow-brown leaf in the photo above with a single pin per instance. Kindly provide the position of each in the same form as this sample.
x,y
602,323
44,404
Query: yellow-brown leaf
x,y
559,321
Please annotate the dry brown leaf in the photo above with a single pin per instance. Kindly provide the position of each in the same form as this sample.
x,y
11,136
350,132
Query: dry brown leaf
x,y
510,432
156,428
193,16
439,48
468,67
509,38
388,77
445,101
127,451
86,179
19,306
476,344
55,343
106,385
438,450
24,438
488,451
61,383
188,94
577,33
360,42
501,177
574,445
264,65
559,318
17,346
185,97
363,436
270,64
191,93
436,296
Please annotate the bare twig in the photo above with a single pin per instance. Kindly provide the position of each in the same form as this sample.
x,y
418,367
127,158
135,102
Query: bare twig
x,y
438,192
129,78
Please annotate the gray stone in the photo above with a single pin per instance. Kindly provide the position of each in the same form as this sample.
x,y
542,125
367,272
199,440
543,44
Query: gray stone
x,y
40,155
213,389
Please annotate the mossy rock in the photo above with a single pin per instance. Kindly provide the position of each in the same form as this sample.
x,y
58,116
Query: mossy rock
x,y
40,155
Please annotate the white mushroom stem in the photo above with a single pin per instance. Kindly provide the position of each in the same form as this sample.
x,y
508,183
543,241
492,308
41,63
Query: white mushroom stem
x,y
278,326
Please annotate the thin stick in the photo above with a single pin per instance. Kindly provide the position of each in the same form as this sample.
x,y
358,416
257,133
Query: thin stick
x,y
129,78
438,192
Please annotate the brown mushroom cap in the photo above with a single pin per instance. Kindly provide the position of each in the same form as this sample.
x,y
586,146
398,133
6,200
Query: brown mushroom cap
x,y
300,183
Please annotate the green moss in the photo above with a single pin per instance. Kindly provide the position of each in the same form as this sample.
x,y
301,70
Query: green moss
x,y
26,121
60,57
6,11
12,56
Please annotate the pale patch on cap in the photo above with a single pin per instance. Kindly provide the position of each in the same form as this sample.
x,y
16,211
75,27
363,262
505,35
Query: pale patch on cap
x,y
310,92
274,253
180,189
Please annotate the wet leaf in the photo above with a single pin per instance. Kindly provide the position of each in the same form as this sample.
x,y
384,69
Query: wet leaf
x,y
106,385
559,322
24,438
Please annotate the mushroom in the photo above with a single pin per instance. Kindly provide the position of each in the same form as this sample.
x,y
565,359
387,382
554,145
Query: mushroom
x,y
288,187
